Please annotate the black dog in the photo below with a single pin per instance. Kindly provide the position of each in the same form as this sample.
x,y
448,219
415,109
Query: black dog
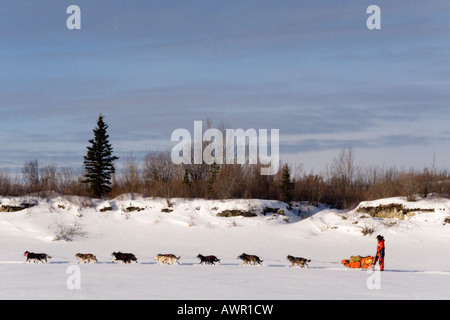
x,y
37,257
208,259
124,257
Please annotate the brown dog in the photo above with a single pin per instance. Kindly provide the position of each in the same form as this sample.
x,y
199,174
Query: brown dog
x,y
86,257
250,259
167,258
298,261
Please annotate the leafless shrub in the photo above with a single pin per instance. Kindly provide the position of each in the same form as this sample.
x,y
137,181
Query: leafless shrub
x,y
67,233
367,230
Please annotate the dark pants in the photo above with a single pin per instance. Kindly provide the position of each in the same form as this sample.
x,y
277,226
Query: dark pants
x,y
380,260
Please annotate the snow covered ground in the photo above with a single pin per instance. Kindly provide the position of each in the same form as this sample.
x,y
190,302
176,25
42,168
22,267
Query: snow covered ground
x,y
417,250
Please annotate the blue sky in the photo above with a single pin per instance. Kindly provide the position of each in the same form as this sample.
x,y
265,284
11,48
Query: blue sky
x,y
309,68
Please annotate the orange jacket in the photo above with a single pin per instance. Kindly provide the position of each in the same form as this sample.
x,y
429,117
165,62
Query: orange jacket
x,y
380,249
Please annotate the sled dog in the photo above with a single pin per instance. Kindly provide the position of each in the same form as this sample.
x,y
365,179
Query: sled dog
x,y
298,261
167,258
250,259
86,257
124,257
208,259
37,257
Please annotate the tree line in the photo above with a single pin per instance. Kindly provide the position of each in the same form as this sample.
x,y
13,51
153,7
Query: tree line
x,y
342,184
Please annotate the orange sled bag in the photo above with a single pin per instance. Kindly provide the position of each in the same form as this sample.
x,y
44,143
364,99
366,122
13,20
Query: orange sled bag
x,y
347,263
365,263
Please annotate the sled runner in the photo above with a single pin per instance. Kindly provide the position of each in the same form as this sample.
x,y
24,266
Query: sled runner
x,y
359,262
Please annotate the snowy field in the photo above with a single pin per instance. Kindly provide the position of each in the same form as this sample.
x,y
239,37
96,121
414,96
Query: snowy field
x,y
417,256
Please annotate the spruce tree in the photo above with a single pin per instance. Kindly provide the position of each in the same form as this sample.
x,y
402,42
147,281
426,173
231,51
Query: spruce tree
x,y
286,185
210,183
186,181
99,161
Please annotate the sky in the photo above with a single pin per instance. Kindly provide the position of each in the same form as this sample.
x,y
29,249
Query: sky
x,y
311,69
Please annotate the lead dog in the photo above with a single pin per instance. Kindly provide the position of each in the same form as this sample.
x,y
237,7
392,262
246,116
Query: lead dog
x,y
37,257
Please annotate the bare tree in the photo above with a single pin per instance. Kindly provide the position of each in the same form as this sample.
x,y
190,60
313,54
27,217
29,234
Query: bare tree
x,y
6,185
341,175
131,174
158,166
48,177
30,173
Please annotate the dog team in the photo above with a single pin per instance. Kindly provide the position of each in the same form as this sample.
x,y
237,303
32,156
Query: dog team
x,y
169,258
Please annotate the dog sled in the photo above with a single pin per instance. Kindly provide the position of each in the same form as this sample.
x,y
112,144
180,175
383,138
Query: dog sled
x,y
359,262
